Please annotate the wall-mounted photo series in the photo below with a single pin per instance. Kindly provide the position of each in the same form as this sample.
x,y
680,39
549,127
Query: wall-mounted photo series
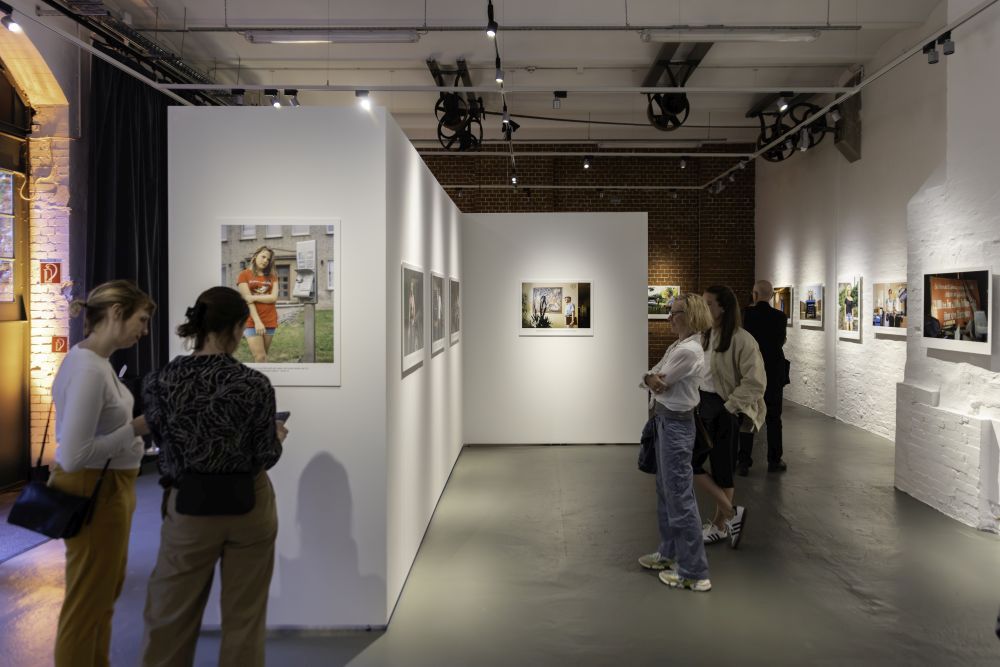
x,y
413,316
454,310
289,275
957,310
782,300
849,308
811,307
888,311
659,299
556,308
438,325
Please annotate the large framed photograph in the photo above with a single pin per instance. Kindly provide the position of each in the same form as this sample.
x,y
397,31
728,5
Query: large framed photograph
x,y
438,326
849,308
782,300
957,310
290,276
889,307
413,316
659,298
811,307
556,308
454,310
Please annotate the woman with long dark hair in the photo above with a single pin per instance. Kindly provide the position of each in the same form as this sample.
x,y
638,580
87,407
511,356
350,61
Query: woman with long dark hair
x,y
258,285
98,440
215,422
732,390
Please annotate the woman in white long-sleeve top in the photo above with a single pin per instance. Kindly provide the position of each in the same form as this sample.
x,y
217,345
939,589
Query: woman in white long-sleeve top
x,y
674,385
94,428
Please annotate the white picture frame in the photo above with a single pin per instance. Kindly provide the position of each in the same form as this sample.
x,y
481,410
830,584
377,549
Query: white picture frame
x,y
413,321
885,304
454,310
967,346
850,320
818,305
438,309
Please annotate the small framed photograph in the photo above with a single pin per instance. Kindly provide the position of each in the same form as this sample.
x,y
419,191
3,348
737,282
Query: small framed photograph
x,y
659,299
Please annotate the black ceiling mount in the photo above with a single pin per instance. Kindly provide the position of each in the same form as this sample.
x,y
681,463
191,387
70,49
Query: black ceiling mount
x,y
669,111
776,121
460,119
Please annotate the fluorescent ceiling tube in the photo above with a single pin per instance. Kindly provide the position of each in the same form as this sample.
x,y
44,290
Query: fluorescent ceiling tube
x,y
331,36
729,35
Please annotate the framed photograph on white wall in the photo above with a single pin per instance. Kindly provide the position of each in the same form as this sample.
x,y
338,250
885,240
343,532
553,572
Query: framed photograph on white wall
x,y
849,308
811,307
556,308
454,310
412,298
288,270
888,309
956,310
782,300
439,325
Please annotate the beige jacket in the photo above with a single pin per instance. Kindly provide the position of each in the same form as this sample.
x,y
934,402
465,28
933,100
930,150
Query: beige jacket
x,y
739,376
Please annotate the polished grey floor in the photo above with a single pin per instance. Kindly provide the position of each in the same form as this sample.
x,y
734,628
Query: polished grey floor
x,y
530,560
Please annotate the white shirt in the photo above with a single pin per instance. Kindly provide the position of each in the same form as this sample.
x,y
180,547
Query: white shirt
x,y
681,367
93,415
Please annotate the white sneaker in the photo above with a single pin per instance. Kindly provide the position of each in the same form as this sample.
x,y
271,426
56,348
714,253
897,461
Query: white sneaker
x,y
655,561
673,579
734,526
711,534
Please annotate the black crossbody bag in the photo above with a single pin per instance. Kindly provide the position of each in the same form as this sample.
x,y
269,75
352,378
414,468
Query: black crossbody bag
x,y
215,494
49,511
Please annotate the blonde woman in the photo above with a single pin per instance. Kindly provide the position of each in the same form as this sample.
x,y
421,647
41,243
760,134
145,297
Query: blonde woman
x,y
674,385
94,428
258,285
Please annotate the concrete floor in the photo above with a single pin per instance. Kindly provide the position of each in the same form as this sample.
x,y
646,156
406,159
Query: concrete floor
x,y
530,560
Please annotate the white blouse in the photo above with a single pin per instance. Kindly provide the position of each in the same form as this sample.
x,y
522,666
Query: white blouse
x,y
681,368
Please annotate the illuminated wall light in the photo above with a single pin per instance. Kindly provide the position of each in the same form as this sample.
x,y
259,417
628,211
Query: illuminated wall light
x,y
586,162
684,163
363,99
804,140
293,97
272,97
499,75
513,179
491,26
8,20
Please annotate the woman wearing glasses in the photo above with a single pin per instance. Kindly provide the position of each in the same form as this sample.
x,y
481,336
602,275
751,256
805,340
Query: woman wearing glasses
x,y
674,383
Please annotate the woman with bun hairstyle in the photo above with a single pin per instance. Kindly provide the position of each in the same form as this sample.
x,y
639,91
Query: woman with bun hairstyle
x,y
214,420
259,287
95,435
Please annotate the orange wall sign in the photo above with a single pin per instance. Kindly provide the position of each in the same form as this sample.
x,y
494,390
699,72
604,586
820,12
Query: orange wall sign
x,y
60,344
50,272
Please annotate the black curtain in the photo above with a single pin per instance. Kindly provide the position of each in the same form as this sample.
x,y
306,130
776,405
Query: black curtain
x,y
127,207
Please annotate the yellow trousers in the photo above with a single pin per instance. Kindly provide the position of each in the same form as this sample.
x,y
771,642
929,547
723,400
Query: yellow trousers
x,y
190,547
95,566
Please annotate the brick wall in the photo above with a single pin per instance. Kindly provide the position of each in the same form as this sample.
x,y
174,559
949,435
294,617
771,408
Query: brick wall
x,y
49,229
695,239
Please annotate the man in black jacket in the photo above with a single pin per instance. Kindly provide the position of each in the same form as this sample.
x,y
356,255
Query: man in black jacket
x,y
767,326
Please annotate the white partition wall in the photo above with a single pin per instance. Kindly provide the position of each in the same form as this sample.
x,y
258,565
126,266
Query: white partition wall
x,y
343,552
544,390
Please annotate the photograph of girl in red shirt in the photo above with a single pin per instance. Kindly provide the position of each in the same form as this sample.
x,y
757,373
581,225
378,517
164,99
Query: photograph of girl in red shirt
x,y
259,287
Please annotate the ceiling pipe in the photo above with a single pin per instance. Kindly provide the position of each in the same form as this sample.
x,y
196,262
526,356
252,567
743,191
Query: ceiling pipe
x,y
692,30
821,113
588,153
514,88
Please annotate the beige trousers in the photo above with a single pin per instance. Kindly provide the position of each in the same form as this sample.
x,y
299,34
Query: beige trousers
x,y
95,566
190,546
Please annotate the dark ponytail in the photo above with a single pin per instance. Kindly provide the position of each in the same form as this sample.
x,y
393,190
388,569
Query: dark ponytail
x,y
731,318
217,310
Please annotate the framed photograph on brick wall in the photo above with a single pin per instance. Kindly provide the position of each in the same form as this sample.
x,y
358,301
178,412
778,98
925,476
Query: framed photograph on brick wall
x,y
888,308
956,310
849,308
659,298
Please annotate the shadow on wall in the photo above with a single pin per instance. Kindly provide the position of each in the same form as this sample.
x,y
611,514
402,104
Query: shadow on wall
x,y
327,549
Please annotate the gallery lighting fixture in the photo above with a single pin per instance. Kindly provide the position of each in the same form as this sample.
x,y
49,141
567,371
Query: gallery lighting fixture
x,y
947,46
742,164
332,36
499,71
782,104
804,140
673,194
557,98
491,26
8,20
684,163
720,34
586,162
293,97
272,97
932,54
835,116
239,95
513,179
789,144
732,178
363,99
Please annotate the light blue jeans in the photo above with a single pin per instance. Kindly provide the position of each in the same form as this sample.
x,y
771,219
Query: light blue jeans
x,y
676,507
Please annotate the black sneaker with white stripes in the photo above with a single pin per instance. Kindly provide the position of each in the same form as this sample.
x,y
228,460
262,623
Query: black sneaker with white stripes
x,y
734,526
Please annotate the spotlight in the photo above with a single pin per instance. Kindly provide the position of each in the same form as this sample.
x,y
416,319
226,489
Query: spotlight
x,y
782,104
835,115
804,140
932,54
684,163
742,164
586,162
272,97
293,97
513,179
499,71
460,193
732,178
947,46
673,194
600,194
238,96
789,144
505,117
721,187
557,98
363,99
8,20
492,26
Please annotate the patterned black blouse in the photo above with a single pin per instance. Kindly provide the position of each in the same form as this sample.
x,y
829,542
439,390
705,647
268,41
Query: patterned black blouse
x,y
211,414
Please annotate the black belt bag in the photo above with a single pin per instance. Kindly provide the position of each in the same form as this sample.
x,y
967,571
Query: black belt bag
x,y
215,494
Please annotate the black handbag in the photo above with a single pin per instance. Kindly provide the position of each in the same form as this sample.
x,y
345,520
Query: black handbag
x,y
647,447
49,511
702,438
215,494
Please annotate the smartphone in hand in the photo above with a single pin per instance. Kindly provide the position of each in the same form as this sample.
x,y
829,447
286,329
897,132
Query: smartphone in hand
x,y
282,416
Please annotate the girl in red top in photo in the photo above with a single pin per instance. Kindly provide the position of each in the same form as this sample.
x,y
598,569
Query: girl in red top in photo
x,y
259,287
